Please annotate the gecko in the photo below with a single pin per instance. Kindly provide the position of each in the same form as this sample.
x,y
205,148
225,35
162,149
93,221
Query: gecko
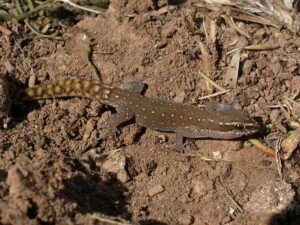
x,y
186,121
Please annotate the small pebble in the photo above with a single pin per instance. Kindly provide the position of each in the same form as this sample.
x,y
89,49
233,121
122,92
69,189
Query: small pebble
x,y
32,116
32,81
179,97
295,83
274,115
9,67
185,219
90,126
115,164
155,190
123,176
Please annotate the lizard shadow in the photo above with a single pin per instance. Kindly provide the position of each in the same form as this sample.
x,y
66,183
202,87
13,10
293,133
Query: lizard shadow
x,y
19,109
91,194
151,222
170,2
263,129
288,216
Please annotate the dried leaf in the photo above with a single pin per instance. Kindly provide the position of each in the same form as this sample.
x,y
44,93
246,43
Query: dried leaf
x,y
290,144
268,12
233,69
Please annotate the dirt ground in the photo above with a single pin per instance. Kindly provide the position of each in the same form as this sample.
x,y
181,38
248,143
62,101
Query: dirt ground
x,y
57,167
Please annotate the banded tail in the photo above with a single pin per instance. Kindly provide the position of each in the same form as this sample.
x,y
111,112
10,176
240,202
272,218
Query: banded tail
x,y
68,88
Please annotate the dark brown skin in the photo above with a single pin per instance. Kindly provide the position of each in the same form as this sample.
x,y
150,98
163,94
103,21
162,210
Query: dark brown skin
x,y
184,120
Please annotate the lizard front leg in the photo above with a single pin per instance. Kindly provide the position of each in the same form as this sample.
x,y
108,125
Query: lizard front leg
x,y
188,132
179,145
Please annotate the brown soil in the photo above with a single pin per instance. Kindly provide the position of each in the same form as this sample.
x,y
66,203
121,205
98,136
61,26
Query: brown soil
x,y
56,167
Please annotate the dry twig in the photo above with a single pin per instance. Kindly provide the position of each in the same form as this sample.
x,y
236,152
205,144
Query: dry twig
x,y
260,146
80,7
212,82
109,220
231,76
237,205
277,156
88,51
290,144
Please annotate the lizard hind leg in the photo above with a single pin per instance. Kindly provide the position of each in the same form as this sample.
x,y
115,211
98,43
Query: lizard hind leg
x,y
111,126
179,145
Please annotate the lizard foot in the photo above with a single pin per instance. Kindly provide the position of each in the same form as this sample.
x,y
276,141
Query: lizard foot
x,y
111,133
182,148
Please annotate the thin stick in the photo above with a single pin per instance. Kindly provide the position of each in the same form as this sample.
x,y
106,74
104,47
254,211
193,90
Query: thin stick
x,y
277,156
19,8
80,7
206,61
205,30
232,24
212,82
37,9
290,99
265,149
233,50
213,95
108,220
112,153
53,35
277,106
88,51
263,47
206,158
241,210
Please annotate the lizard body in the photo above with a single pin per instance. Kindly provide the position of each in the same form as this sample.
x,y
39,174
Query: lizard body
x,y
185,121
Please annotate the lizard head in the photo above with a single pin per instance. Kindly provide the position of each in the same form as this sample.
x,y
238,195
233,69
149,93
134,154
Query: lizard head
x,y
238,122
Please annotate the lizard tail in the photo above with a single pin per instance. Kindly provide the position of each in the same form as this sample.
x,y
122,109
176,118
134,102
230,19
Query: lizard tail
x,y
66,88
